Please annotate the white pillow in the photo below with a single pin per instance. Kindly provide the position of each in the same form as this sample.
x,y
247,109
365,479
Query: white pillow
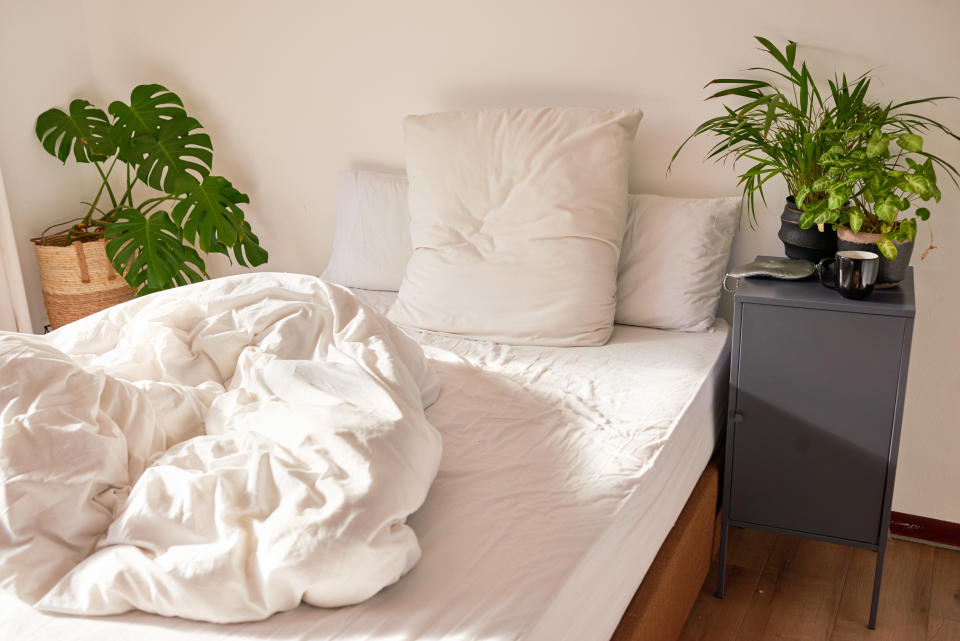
x,y
517,216
675,252
371,242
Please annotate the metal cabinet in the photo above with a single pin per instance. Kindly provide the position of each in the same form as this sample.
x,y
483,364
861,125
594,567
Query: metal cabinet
x,y
816,400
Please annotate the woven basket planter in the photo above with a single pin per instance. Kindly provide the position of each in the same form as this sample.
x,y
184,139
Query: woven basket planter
x,y
77,278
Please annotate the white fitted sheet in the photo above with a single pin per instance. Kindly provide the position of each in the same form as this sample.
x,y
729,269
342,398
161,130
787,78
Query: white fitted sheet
x,y
563,471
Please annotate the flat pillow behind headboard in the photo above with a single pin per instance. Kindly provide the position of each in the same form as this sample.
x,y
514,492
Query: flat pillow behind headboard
x,y
674,254
371,243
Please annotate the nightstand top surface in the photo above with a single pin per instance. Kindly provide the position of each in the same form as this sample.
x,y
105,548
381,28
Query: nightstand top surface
x,y
895,301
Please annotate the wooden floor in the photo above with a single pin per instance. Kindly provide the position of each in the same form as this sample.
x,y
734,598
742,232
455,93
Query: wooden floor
x,y
784,588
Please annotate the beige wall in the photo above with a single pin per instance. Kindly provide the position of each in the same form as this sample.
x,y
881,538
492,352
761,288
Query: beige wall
x,y
292,92
44,61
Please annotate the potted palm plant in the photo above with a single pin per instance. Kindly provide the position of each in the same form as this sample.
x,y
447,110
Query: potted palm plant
x,y
125,246
775,132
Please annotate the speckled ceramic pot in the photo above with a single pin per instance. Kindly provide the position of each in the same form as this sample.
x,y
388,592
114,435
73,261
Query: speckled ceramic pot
x,y
891,271
809,244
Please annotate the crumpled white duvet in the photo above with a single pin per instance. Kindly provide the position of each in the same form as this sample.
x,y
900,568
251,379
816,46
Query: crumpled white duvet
x,y
219,452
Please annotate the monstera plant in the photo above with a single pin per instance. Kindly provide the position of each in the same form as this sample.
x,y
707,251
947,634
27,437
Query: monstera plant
x,y
155,146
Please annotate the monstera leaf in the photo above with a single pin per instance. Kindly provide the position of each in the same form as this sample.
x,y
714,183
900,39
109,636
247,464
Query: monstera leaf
x,y
85,129
174,159
210,216
248,251
150,106
150,253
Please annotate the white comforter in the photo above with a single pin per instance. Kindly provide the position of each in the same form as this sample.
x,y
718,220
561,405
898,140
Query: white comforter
x,y
218,452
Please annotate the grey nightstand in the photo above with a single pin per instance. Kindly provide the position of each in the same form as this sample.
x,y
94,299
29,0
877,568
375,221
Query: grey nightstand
x,y
816,398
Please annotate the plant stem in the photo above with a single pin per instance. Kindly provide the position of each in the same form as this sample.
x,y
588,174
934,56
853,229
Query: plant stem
x,y
106,179
153,203
128,192
93,207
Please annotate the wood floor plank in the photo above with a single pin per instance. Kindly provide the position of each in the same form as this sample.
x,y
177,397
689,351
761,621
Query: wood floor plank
x,y
941,629
714,619
904,595
758,611
945,596
750,549
798,593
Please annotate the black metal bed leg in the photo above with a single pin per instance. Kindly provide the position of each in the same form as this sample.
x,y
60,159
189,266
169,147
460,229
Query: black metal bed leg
x,y
722,558
877,579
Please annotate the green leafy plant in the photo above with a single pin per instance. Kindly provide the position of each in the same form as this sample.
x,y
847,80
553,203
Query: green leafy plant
x,y
775,132
164,150
830,147
878,174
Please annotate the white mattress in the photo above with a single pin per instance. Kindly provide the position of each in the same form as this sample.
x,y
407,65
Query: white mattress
x,y
563,471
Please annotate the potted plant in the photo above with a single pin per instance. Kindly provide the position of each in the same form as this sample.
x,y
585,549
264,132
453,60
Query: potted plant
x,y
830,147
153,241
777,132
874,193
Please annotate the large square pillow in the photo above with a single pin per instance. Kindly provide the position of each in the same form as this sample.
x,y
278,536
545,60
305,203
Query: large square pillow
x,y
675,253
517,216
371,242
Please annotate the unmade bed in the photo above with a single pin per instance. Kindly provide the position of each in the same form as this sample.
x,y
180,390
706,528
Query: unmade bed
x,y
563,471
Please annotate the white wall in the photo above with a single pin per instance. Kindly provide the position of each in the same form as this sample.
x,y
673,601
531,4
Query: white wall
x,y
44,62
292,92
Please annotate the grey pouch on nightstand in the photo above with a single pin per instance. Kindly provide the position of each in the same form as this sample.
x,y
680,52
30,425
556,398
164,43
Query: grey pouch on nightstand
x,y
783,268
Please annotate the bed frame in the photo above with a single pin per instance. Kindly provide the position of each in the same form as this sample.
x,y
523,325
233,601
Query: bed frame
x,y
659,609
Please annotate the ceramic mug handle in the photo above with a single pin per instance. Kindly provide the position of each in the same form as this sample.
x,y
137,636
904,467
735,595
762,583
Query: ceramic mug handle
x,y
822,266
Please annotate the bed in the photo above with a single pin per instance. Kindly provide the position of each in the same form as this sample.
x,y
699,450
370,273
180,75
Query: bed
x,y
563,472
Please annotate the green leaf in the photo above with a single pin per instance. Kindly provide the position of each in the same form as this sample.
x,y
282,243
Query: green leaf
x,y
210,215
248,251
150,253
915,184
887,248
908,228
174,159
855,218
887,210
923,213
150,106
910,142
85,131
877,144
821,184
837,197
811,213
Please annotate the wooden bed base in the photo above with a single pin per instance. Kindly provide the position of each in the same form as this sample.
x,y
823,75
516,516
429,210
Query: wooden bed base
x,y
664,599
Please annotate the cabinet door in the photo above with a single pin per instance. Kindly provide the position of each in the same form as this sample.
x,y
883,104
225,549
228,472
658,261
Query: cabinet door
x,y
815,409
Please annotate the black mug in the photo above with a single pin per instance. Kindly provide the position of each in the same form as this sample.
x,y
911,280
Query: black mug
x,y
853,273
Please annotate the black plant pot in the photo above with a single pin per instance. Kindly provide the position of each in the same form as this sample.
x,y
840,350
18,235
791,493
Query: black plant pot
x,y
810,244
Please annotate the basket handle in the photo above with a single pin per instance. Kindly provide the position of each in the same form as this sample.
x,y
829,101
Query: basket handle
x,y
111,272
82,259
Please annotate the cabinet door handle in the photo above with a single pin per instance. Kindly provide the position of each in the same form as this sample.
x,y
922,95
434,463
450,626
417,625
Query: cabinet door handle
x,y
737,417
